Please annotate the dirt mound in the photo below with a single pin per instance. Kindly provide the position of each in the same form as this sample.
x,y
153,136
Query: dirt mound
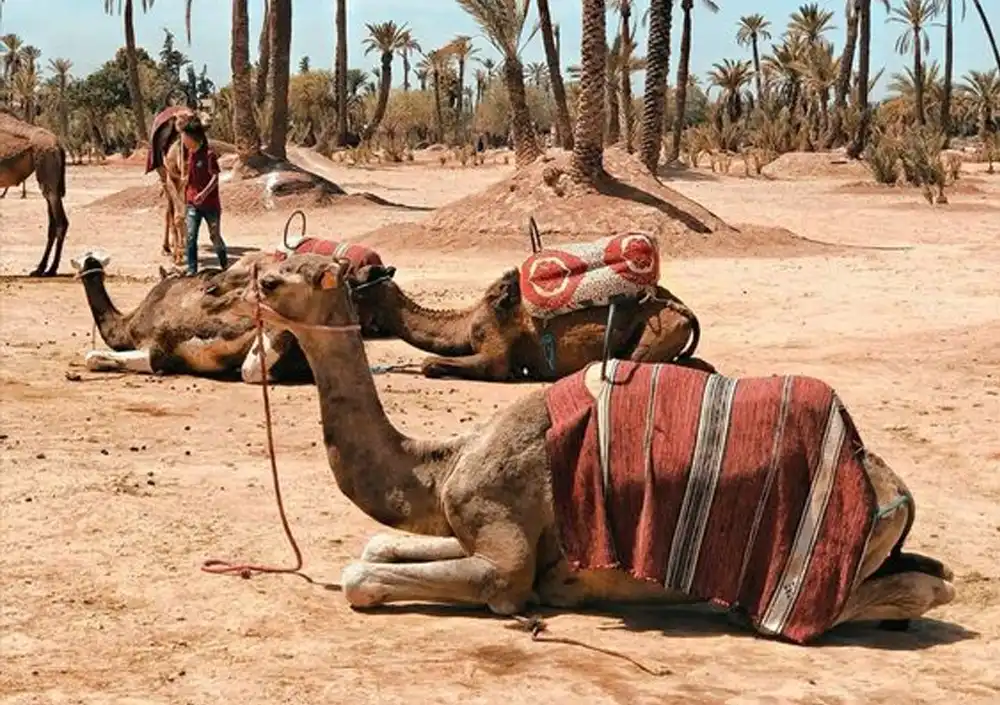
x,y
278,190
816,165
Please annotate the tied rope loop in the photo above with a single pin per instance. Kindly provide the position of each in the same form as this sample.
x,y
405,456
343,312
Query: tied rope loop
x,y
246,570
302,235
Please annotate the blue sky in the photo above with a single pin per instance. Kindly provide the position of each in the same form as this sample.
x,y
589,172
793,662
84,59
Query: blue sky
x,y
79,31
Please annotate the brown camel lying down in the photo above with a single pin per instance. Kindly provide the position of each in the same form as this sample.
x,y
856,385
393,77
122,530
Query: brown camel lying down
x,y
555,500
496,339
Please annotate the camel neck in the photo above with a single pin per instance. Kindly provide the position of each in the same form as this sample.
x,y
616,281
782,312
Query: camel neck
x,y
442,332
110,321
390,477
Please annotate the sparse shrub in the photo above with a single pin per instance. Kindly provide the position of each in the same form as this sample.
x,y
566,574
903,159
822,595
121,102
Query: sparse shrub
x,y
954,164
920,156
882,157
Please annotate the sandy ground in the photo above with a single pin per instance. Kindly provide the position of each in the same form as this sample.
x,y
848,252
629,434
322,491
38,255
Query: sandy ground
x,y
114,489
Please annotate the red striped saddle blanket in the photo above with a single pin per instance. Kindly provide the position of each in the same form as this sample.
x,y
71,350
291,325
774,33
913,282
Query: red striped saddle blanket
x,y
359,255
746,492
555,281
154,158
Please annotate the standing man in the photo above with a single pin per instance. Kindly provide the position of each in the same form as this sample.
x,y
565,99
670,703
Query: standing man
x,y
202,194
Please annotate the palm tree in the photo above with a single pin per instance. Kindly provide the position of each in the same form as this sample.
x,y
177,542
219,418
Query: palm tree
x,y
983,90
461,48
340,72
916,15
281,44
836,131
244,125
421,73
564,131
682,72
386,38
989,31
810,23
730,77
25,86
61,69
587,164
752,30
624,87
655,94
263,59
502,22
30,55
860,140
132,61
437,64
11,45
408,45
819,75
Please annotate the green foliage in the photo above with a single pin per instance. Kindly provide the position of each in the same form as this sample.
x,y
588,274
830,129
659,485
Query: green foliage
x,y
882,157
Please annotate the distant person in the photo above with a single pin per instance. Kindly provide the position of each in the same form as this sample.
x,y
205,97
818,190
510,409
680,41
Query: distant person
x,y
202,195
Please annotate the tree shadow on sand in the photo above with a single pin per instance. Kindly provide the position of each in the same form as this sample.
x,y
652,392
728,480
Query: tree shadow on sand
x,y
705,621
610,186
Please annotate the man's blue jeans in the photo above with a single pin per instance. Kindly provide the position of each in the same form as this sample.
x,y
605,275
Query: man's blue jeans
x,y
194,217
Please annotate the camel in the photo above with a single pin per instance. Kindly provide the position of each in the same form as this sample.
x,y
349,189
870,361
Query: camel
x,y
497,338
182,326
496,526
24,149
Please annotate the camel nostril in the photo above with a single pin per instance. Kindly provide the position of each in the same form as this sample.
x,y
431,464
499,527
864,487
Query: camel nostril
x,y
269,283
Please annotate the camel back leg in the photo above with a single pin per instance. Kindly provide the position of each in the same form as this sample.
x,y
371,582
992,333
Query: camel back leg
x,y
480,366
51,174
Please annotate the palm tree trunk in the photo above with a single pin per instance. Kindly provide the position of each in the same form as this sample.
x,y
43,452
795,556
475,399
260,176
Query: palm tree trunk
x,y
682,80
340,71
406,69
918,78
625,78
263,58
437,107
555,75
525,146
864,63
244,125
949,61
756,70
614,125
587,165
657,70
281,45
134,87
989,31
460,97
385,83
836,132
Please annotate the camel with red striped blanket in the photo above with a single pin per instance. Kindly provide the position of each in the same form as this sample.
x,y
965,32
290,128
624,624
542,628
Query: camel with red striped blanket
x,y
550,317
636,482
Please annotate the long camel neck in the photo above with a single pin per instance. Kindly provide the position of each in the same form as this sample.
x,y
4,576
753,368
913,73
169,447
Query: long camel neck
x,y
442,332
392,478
110,321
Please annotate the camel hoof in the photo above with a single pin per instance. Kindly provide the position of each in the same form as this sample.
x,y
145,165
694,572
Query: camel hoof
x,y
432,370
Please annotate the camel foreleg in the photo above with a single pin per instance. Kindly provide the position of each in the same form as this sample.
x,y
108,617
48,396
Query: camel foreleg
x,y
137,361
391,548
252,372
900,596
176,212
472,367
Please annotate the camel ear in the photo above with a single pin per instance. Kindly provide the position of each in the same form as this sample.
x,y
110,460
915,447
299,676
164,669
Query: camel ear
x,y
333,274
77,262
101,257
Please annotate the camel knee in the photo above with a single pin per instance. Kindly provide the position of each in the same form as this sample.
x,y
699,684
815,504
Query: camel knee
x,y
381,548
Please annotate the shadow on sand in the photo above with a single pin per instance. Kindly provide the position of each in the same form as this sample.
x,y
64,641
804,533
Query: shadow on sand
x,y
706,621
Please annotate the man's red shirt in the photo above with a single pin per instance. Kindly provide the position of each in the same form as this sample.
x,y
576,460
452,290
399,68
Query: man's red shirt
x,y
202,166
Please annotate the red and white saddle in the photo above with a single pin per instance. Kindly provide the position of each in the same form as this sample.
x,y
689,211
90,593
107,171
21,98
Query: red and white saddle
x,y
558,280
358,255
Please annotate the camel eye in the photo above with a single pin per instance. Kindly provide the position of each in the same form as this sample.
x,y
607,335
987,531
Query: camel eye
x,y
269,283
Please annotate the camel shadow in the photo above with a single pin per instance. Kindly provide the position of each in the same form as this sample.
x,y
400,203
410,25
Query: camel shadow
x,y
618,189
705,621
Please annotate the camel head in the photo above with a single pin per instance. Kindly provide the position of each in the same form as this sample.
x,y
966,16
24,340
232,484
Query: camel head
x,y
90,262
309,290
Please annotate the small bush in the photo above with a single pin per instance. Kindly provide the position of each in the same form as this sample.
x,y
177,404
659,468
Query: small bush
x,y
882,156
954,164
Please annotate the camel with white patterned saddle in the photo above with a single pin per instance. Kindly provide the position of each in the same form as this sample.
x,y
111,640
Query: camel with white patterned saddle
x,y
647,482
549,318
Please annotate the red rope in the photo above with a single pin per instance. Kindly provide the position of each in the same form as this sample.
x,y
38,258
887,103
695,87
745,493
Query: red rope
x,y
246,570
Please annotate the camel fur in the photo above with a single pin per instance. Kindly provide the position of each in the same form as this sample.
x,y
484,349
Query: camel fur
x,y
496,339
25,149
182,326
482,504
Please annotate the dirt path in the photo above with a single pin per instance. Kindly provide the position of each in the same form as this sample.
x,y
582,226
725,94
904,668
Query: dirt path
x,y
114,489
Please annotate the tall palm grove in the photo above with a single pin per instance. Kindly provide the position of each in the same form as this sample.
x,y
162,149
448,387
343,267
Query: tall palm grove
x,y
799,83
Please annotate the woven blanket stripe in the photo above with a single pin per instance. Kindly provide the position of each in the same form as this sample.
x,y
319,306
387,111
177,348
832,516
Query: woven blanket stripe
x,y
740,491
358,255
556,281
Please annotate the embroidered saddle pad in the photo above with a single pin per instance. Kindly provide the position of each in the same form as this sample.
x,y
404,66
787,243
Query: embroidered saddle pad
x,y
555,281
746,492
358,255
154,158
